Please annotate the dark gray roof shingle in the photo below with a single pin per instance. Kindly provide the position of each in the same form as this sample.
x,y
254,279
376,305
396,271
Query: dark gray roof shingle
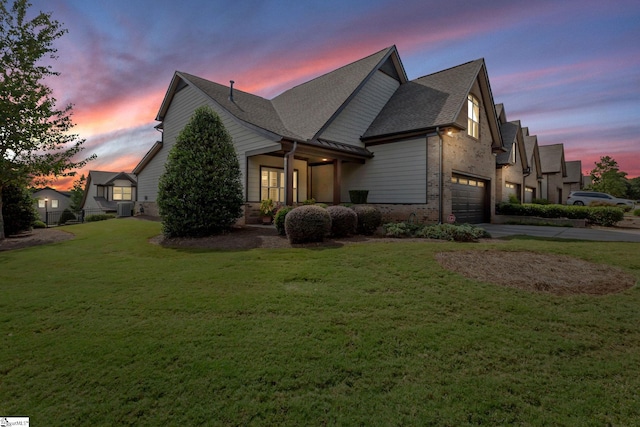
x,y
247,107
551,158
509,132
306,108
427,102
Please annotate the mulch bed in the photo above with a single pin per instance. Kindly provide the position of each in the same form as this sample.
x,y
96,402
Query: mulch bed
x,y
554,274
36,237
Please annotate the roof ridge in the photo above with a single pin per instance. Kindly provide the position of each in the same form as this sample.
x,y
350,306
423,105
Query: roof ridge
x,y
333,71
450,68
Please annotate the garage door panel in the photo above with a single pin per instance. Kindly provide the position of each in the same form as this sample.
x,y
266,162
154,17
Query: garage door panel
x,y
468,202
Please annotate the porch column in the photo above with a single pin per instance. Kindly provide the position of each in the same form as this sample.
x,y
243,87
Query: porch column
x,y
288,179
337,181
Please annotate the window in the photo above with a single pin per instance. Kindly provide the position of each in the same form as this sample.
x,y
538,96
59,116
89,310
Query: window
x,y
121,193
473,121
514,148
41,203
54,203
272,184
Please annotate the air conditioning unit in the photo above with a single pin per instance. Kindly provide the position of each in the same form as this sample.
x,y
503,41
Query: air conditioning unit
x,y
125,209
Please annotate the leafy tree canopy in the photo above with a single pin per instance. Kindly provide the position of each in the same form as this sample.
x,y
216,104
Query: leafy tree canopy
x,y
35,138
607,177
200,193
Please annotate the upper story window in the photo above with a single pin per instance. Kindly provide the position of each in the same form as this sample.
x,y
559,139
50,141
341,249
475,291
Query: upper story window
x,y
54,203
473,120
121,193
41,203
514,149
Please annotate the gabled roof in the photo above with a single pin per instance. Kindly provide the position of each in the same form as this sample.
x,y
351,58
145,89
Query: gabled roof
x,y
435,100
107,178
62,193
574,172
251,109
552,159
147,157
509,132
309,108
300,113
532,150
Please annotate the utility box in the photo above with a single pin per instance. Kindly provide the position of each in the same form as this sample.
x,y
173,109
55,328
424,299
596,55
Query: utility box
x,y
125,209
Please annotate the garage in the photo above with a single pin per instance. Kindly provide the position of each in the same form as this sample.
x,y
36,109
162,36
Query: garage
x,y
469,199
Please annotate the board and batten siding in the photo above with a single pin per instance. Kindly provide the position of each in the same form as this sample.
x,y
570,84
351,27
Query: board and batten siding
x,y
396,174
183,104
358,115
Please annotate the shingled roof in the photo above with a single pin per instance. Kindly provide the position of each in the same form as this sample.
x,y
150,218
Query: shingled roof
x,y
427,102
300,113
509,132
247,107
574,172
552,159
307,108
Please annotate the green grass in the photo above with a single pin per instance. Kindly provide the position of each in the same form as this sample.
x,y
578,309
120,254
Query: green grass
x,y
108,329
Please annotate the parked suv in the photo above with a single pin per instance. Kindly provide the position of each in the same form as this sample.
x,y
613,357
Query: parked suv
x,y
582,198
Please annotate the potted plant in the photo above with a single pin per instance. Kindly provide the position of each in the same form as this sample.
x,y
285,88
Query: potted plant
x,y
267,210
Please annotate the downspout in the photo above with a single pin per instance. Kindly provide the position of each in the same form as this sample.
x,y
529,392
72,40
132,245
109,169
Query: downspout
x,y
439,175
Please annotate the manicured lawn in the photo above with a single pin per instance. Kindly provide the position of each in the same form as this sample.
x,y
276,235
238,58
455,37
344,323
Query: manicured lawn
x,y
108,329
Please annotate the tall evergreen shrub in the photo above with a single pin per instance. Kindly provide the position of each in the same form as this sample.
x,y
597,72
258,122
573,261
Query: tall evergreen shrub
x,y
200,192
18,209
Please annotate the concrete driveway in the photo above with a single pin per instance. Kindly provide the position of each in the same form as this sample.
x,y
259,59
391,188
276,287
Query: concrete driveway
x,y
595,234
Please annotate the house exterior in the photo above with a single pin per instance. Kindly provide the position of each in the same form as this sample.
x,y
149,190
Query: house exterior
x,y
573,180
50,202
422,148
554,171
512,164
532,177
104,190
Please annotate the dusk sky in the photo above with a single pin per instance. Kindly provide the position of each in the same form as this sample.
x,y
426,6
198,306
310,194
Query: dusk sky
x,y
569,70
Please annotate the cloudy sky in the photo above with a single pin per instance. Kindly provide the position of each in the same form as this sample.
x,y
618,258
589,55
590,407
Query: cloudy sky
x,y
569,70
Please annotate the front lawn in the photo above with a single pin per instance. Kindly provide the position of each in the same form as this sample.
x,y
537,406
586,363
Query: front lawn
x,y
107,329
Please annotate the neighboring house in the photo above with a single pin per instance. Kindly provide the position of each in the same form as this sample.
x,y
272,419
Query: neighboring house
x,y
422,148
51,201
554,172
533,177
104,190
574,178
512,164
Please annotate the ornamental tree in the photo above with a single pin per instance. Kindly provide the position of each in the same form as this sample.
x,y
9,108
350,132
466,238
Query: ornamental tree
x,y
200,192
35,142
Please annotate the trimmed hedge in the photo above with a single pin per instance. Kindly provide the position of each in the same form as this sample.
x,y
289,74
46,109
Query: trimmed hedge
x,y
599,215
458,233
369,219
307,223
98,217
344,221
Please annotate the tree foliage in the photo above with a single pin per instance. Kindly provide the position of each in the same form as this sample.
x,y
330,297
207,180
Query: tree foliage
x,y
18,209
35,142
200,192
607,177
77,193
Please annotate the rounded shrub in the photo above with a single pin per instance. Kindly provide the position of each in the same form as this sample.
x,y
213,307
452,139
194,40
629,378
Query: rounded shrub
x,y
39,224
66,215
307,223
278,220
369,219
344,221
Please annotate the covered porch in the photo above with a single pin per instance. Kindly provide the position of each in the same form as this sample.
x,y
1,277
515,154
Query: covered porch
x,y
291,172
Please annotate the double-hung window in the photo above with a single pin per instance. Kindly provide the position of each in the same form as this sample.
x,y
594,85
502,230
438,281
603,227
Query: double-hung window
x,y
272,184
121,193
